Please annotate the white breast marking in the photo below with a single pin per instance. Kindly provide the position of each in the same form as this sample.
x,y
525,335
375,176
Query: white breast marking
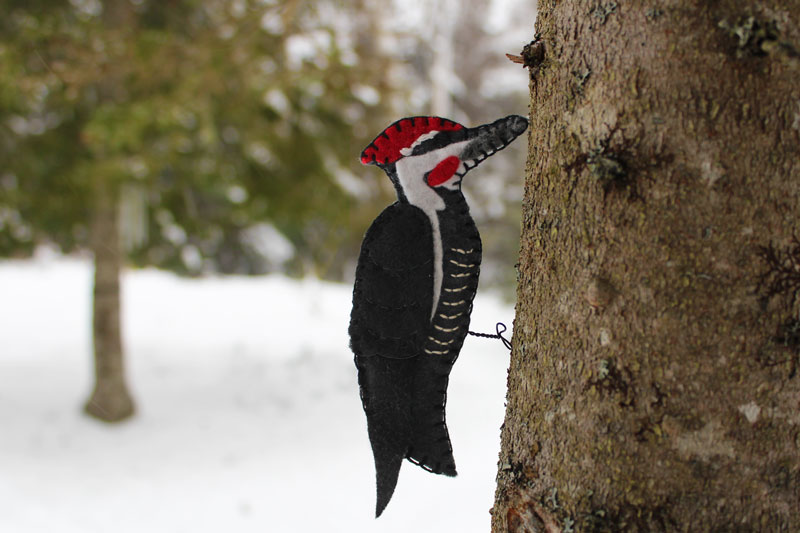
x,y
411,172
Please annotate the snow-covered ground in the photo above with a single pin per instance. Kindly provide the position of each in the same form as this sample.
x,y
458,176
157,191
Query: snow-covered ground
x,y
248,412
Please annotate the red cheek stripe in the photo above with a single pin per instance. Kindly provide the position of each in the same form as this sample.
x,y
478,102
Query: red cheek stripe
x,y
443,171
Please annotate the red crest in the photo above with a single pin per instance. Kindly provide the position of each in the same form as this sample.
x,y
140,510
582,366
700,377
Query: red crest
x,y
385,149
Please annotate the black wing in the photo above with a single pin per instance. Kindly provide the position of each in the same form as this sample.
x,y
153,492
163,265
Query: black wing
x,y
393,292
389,325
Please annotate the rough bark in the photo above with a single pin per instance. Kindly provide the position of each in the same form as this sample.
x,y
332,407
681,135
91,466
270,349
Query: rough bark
x,y
653,383
110,400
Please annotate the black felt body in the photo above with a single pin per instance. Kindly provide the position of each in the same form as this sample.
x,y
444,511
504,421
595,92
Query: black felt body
x,y
421,252
393,291
404,354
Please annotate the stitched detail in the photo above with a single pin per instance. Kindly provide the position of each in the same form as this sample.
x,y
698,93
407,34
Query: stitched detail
x,y
440,343
435,352
453,304
458,289
389,268
462,265
379,305
451,317
464,275
463,252
446,330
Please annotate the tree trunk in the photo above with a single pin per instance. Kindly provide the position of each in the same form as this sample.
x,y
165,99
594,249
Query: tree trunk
x,y
653,382
110,400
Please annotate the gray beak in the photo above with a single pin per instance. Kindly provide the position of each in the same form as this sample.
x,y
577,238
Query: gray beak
x,y
491,138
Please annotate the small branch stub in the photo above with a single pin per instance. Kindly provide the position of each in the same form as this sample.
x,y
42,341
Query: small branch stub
x,y
531,56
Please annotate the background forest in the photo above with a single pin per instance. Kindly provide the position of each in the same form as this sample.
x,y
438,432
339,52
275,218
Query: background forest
x,y
229,129
206,152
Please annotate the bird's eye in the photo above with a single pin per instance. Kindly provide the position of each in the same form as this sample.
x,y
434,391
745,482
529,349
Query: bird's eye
x,y
443,171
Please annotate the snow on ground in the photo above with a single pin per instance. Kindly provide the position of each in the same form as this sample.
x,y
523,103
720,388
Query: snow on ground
x,y
248,412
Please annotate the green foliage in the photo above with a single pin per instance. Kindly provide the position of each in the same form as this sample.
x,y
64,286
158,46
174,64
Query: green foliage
x,y
203,115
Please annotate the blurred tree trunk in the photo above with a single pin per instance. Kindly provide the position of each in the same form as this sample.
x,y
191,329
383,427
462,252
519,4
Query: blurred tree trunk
x,y
110,400
653,383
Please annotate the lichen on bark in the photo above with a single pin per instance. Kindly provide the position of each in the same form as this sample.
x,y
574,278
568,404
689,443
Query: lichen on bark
x,y
661,173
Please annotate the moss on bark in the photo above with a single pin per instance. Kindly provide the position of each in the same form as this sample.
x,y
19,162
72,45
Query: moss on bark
x,y
664,155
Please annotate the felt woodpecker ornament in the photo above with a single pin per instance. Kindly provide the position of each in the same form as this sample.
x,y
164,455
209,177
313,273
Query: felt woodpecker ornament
x,y
416,277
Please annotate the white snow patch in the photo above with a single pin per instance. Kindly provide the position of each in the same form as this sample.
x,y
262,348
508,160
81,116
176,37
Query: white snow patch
x,y
365,93
237,194
271,22
248,412
270,243
259,152
192,258
277,101
307,47
351,183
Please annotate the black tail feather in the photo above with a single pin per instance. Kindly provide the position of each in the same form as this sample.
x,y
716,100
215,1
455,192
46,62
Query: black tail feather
x,y
386,392
387,469
404,400
430,440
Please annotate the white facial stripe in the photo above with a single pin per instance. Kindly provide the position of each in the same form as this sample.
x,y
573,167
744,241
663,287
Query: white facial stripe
x,y
411,174
420,140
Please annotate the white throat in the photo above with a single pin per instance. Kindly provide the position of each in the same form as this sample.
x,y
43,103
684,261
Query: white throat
x,y
411,172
